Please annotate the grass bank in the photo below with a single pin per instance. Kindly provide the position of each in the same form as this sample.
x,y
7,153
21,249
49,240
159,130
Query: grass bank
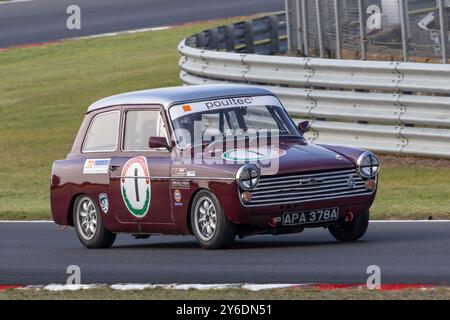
x,y
44,92
413,188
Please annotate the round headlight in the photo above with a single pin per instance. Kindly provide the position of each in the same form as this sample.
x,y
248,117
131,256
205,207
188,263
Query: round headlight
x,y
247,177
368,165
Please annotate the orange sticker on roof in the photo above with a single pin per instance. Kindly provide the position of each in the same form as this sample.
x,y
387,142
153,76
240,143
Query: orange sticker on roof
x,y
187,108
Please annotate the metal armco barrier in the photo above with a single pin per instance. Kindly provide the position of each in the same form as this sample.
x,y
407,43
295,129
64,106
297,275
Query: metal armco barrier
x,y
390,107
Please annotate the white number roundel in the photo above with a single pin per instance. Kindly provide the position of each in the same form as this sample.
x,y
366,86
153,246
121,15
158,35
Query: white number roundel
x,y
135,186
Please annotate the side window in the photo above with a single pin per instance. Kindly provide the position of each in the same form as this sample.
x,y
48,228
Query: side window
x,y
140,125
102,133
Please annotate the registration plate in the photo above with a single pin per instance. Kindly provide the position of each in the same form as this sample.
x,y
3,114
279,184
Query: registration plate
x,y
307,217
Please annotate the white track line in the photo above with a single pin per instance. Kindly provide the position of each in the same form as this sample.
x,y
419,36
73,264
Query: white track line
x,y
112,34
101,35
144,286
71,287
15,1
174,286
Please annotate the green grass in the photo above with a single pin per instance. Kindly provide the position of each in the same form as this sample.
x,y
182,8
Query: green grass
x,y
44,92
413,192
229,294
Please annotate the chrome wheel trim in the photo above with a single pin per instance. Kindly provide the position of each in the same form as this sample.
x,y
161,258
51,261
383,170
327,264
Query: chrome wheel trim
x,y
86,218
205,218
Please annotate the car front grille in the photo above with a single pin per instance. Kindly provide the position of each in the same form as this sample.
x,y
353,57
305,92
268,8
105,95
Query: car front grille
x,y
298,188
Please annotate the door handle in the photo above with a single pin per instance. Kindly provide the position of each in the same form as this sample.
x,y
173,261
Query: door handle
x,y
113,167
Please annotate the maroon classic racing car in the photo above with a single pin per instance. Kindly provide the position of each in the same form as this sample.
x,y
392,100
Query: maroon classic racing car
x,y
213,161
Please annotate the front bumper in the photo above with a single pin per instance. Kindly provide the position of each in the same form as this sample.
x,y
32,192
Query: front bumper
x,y
262,216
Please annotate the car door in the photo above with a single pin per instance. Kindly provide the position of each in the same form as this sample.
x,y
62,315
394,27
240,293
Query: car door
x,y
98,146
139,175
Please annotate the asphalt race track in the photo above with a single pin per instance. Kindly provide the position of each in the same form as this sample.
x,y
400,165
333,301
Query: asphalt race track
x,y
45,20
36,21
407,252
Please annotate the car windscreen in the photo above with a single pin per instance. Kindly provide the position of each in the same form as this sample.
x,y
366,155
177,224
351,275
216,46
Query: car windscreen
x,y
232,122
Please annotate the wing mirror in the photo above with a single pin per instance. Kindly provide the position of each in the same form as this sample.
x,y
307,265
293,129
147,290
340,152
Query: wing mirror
x,y
304,126
158,142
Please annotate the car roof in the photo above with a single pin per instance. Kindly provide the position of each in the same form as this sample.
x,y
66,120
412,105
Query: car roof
x,y
177,95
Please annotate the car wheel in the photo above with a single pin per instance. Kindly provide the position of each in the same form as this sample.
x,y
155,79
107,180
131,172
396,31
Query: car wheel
x,y
351,231
89,225
209,224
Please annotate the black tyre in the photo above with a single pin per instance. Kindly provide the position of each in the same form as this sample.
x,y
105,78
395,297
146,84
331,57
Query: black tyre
x,y
351,231
89,225
209,224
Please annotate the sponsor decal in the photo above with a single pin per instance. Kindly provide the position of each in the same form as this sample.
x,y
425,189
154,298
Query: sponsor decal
x,y
104,202
202,106
179,172
190,173
177,197
230,102
182,172
253,154
180,184
96,166
135,186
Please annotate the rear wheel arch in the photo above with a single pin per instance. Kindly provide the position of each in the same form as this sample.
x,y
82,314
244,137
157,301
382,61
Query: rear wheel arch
x,y
89,225
69,213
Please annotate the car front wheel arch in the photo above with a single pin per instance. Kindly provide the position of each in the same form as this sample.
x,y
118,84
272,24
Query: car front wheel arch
x,y
209,224
189,208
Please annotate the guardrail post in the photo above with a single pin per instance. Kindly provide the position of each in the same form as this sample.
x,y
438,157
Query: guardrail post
x,y
298,29
362,30
404,26
248,34
274,43
293,23
229,38
304,11
288,8
337,21
213,43
444,32
319,29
